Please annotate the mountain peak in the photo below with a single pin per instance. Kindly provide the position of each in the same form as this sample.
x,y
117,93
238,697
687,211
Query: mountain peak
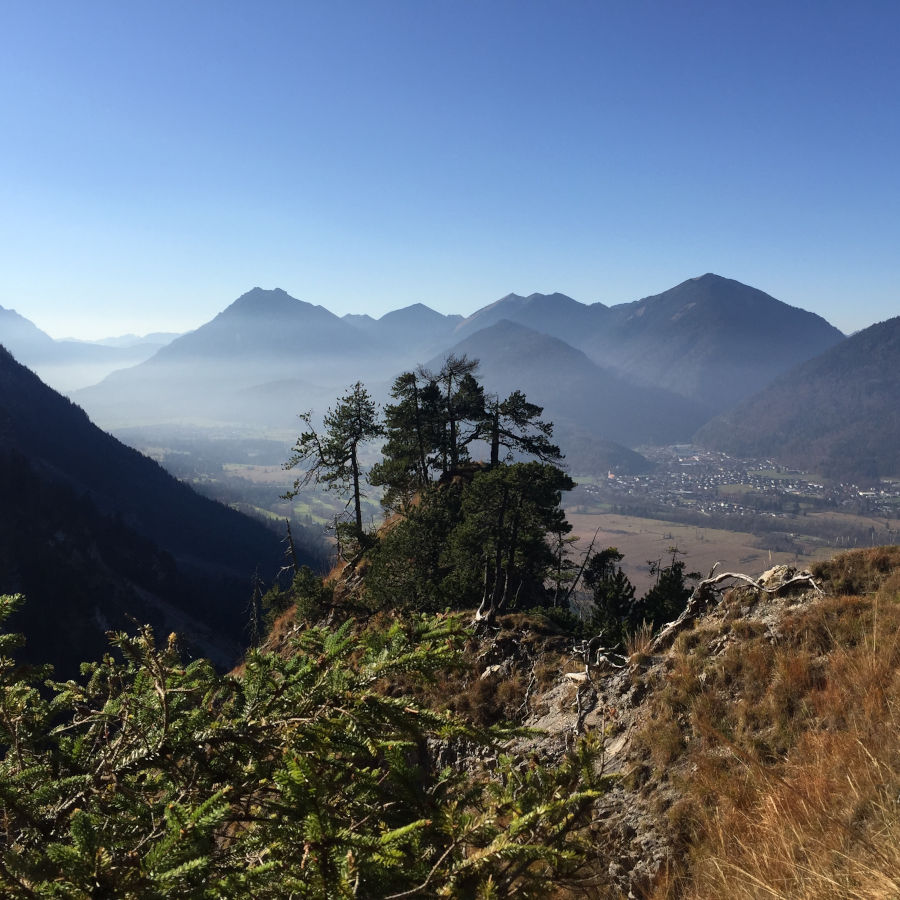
x,y
555,297
709,276
263,300
415,311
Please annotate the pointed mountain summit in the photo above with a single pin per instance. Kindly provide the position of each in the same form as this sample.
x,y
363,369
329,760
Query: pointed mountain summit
x,y
417,330
262,324
417,314
711,339
836,414
265,336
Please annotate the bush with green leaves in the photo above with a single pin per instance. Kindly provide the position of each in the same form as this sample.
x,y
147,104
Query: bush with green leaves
x,y
299,777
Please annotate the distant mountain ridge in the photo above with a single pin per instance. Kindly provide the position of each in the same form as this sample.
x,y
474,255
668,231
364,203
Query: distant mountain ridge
x,y
711,339
554,314
70,364
653,370
576,393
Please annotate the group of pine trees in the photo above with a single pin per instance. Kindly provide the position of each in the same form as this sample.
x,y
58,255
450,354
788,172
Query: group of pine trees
x,y
466,533
473,485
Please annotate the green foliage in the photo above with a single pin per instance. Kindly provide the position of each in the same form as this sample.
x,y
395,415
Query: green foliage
x,y
150,777
500,548
615,611
667,598
410,568
414,429
515,425
437,416
476,539
332,458
311,596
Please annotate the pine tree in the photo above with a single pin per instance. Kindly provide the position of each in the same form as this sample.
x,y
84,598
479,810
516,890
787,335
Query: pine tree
x,y
332,457
413,426
501,541
613,595
515,425
462,400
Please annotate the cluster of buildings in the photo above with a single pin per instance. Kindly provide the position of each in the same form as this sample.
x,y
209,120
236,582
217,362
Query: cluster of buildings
x,y
717,485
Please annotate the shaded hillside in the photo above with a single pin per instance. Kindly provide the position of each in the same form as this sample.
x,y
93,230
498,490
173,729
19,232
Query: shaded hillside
x,y
836,414
212,551
83,573
577,395
711,339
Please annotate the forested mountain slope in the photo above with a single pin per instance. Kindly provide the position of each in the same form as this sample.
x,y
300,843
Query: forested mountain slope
x,y
838,414
577,394
711,339
94,531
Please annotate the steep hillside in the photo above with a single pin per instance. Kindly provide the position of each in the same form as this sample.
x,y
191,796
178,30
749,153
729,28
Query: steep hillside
x,y
836,414
23,338
710,339
577,395
749,748
196,557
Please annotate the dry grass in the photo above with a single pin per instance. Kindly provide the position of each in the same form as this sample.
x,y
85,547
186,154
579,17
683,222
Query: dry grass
x,y
637,643
789,750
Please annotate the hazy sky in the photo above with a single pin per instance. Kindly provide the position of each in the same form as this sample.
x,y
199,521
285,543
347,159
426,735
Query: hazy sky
x,y
160,158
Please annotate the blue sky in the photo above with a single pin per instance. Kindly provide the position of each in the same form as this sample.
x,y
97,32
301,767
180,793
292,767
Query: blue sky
x,y
159,158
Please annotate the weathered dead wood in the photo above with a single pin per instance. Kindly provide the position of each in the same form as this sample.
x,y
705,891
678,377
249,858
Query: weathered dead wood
x,y
584,562
705,594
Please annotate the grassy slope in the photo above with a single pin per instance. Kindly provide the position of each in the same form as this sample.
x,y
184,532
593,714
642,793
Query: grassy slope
x,y
780,738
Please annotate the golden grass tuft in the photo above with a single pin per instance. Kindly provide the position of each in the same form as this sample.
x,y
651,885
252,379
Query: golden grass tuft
x,y
791,750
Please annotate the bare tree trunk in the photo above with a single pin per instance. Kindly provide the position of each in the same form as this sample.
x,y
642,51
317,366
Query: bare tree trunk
x,y
423,465
354,465
584,563
511,557
496,594
495,438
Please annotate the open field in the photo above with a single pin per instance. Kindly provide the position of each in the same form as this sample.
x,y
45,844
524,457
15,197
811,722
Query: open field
x,y
277,475
648,539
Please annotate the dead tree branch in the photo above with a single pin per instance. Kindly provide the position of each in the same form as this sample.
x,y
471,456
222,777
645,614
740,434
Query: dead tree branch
x,y
707,592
